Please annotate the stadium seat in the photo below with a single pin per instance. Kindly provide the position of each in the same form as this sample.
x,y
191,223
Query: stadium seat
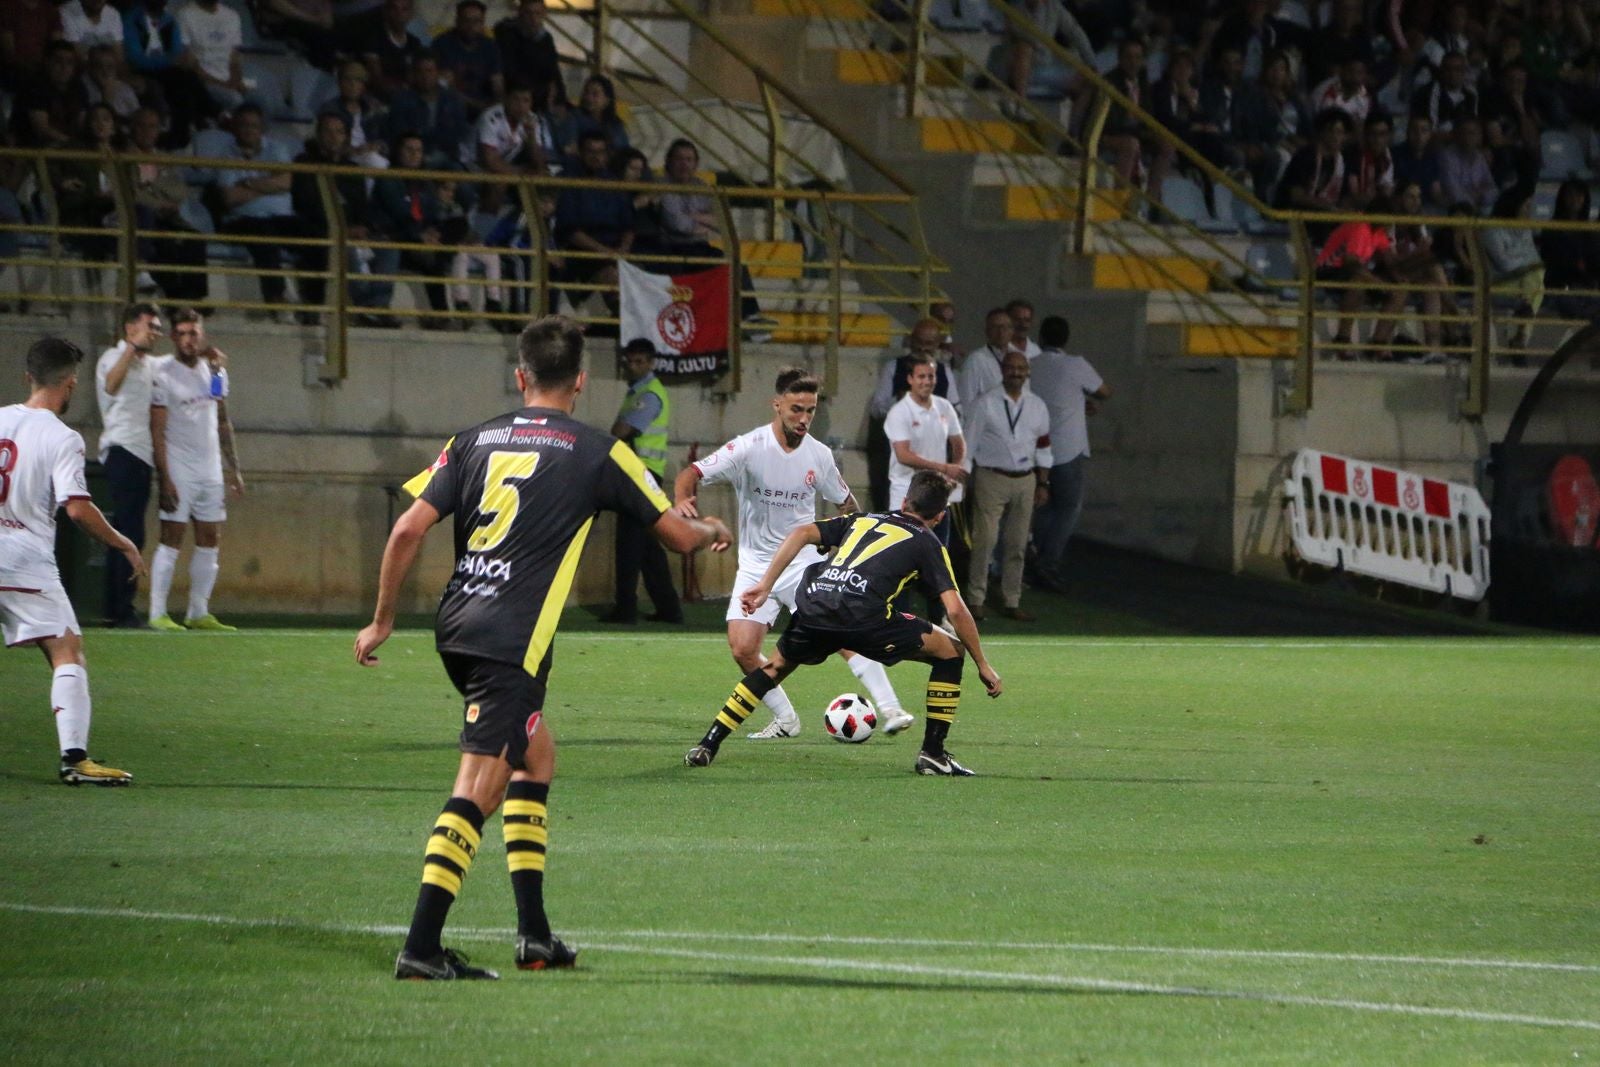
x,y
1562,153
1183,198
1295,13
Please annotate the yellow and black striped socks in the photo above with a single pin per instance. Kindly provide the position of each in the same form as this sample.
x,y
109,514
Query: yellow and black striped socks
x,y
527,834
944,693
737,708
451,848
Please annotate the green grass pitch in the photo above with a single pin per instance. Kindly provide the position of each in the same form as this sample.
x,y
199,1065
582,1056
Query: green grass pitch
x,y
1180,850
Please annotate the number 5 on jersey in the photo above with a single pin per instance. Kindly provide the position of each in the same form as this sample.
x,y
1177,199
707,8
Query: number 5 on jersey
x,y
501,497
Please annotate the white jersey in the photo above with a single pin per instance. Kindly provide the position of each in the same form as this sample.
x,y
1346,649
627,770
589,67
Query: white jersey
x,y
190,395
777,490
927,430
41,468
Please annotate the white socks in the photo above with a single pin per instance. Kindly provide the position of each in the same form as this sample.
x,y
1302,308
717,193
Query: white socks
x,y
162,567
876,679
778,701
69,699
203,569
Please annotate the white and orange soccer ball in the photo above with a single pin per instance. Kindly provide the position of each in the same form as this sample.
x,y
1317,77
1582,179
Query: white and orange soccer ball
x,y
850,718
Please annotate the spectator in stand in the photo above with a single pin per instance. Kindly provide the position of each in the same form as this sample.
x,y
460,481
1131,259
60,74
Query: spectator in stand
x,y
690,225
1457,35
407,210
155,49
1369,165
596,113
27,27
1346,91
1416,161
214,34
48,113
331,144
1255,34
257,203
511,138
1450,98
87,23
455,231
1415,263
363,116
594,220
434,111
630,165
83,189
1514,261
1314,178
1572,257
1551,43
160,197
305,24
1030,69
388,47
528,56
1175,103
1222,100
1274,124
1124,136
1464,175
102,82
1512,126
469,61
1349,37
1359,254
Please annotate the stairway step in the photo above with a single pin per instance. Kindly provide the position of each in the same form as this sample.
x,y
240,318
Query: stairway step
x,y
1271,342
773,259
1037,203
870,66
858,328
1152,272
812,9
969,135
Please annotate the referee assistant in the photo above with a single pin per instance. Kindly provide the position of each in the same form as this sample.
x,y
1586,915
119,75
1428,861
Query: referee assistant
x,y
523,489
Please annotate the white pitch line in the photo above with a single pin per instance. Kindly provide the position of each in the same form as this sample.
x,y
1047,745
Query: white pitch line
x,y
834,963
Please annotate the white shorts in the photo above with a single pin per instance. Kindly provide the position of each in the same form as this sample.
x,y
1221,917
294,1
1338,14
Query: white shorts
x,y
197,501
32,607
782,593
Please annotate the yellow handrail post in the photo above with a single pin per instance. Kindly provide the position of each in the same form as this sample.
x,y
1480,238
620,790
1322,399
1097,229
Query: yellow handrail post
x,y
336,362
1476,402
1083,210
730,240
916,57
769,102
540,238
602,33
830,373
1298,402
127,239
52,211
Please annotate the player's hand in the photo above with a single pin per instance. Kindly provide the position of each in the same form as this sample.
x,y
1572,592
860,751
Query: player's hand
x,y
217,358
686,508
991,680
753,598
721,536
236,483
368,640
169,496
135,561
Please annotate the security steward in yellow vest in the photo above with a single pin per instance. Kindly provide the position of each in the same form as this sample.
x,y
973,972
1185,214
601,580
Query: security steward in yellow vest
x,y
642,423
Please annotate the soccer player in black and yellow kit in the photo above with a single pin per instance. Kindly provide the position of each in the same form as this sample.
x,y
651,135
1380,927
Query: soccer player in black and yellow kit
x,y
847,602
523,490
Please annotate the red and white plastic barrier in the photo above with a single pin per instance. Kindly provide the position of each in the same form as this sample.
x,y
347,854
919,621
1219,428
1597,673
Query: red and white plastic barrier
x,y
1390,524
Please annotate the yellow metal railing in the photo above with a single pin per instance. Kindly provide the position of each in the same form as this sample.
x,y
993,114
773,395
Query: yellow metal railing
x,y
114,255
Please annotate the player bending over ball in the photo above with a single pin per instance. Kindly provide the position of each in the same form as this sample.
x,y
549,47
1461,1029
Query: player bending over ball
x,y
524,489
847,602
41,468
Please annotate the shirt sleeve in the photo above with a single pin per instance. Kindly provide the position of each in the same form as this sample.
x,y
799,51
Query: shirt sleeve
x,y
1085,377
158,390
830,483
437,484
627,488
936,573
67,473
834,531
725,464
1041,427
897,426
642,412
951,417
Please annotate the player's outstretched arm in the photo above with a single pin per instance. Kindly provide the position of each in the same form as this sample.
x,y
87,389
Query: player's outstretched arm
x,y
89,518
799,538
687,535
966,628
405,541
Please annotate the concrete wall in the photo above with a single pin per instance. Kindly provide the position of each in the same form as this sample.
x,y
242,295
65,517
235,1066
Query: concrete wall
x,y
308,535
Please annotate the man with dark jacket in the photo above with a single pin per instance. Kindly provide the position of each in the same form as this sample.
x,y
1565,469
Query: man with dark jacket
x,y
408,210
528,56
154,47
331,144
433,111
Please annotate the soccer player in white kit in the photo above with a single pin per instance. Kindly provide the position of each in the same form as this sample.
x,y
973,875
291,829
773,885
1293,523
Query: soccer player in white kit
x,y
41,468
193,443
777,471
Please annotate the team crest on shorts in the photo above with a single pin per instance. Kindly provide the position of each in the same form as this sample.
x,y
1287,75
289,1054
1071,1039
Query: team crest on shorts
x,y
472,712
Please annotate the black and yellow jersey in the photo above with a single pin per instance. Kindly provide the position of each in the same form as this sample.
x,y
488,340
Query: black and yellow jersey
x,y
874,558
524,489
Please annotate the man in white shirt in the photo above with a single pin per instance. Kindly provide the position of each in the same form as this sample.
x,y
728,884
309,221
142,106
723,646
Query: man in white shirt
x,y
1068,385
1009,429
214,33
777,471
41,469
924,434
923,342
980,371
123,380
1021,313
87,23
192,441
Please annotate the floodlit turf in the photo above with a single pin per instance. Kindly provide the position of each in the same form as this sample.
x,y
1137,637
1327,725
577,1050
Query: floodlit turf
x,y
1302,850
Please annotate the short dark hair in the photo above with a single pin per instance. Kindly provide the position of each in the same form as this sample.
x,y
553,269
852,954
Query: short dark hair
x,y
479,4
249,108
992,312
52,361
1054,331
796,380
928,494
1019,302
550,351
1379,118
134,312
183,315
589,136
682,142
639,344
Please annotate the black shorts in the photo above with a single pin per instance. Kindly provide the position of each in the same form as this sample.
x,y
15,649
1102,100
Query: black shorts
x,y
888,640
501,707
